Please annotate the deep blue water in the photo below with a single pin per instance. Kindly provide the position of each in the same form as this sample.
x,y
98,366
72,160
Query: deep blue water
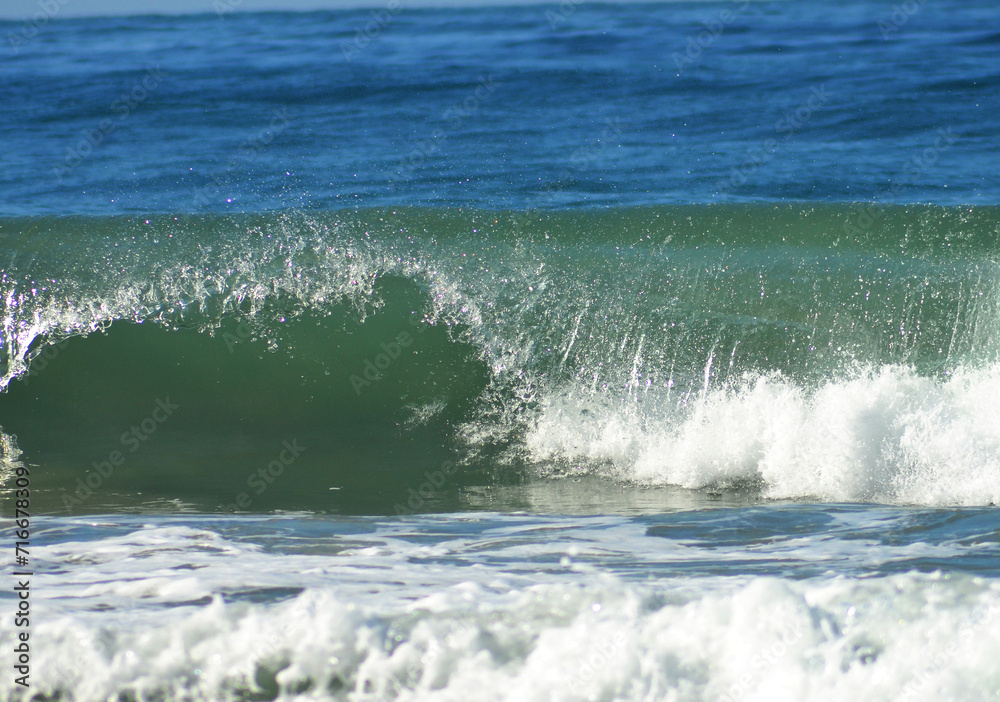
x,y
534,106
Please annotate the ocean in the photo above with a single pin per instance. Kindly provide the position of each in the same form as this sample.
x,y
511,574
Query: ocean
x,y
573,351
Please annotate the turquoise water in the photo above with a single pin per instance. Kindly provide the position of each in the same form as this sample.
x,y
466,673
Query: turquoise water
x,y
569,352
776,350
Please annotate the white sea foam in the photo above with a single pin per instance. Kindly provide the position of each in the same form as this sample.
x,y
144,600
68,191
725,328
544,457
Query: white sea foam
x,y
887,435
475,610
